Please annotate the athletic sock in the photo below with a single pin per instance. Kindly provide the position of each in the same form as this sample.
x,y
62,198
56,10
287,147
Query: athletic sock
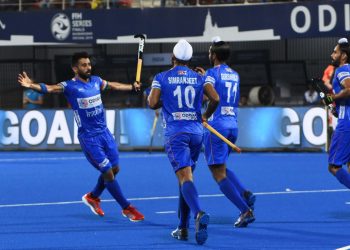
x,y
184,211
229,190
190,195
343,177
235,181
100,186
116,192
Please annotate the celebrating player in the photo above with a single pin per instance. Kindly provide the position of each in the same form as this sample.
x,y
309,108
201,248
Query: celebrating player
x,y
339,151
83,92
224,120
181,92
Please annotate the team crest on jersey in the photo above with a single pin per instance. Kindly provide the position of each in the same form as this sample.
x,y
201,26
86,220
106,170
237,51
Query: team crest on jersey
x,y
182,72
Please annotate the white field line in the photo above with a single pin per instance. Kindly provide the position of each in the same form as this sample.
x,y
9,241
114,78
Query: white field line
x,y
344,248
68,158
173,197
166,212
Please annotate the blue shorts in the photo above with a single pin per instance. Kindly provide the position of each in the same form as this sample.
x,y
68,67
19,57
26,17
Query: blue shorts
x,y
100,150
339,150
216,150
183,149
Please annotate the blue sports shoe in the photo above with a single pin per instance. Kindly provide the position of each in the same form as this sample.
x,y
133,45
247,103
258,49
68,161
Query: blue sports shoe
x,y
245,219
250,199
202,222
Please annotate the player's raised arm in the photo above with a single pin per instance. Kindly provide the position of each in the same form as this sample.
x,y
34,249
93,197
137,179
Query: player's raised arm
x,y
28,83
122,86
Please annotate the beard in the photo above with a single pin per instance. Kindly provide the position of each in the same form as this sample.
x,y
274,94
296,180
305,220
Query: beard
x,y
85,75
335,63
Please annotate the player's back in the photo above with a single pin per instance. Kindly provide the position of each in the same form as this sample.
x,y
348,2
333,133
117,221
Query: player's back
x,y
86,102
226,83
181,94
343,105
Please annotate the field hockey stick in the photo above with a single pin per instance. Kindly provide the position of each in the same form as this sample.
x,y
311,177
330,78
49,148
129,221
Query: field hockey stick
x,y
215,132
140,56
155,120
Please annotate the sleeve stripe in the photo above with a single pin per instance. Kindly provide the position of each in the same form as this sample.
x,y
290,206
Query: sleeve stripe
x,y
208,83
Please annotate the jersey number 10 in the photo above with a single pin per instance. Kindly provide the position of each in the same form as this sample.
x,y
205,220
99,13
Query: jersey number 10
x,y
189,95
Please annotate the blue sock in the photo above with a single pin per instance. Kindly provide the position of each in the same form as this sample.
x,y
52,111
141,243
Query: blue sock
x,y
116,192
343,177
235,181
184,211
190,195
100,186
229,190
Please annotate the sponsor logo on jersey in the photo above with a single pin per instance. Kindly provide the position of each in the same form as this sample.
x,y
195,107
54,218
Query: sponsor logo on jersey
x,y
182,72
227,110
189,116
228,69
94,112
89,102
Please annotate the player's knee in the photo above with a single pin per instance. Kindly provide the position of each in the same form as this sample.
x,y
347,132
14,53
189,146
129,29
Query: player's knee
x,y
218,172
115,170
108,175
184,174
333,169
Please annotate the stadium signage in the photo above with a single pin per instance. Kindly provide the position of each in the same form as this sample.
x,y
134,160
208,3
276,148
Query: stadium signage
x,y
2,25
279,128
324,13
271,22
292,131
43,128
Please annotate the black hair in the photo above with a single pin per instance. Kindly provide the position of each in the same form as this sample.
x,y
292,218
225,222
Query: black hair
x,y
344,47
77,56
182,62
221,50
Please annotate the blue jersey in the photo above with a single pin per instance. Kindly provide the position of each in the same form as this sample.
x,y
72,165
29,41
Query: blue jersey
x,y
33,96
181,92
226,83
86,102
342,105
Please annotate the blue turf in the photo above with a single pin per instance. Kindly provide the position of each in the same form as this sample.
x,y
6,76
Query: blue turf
x,y
283,221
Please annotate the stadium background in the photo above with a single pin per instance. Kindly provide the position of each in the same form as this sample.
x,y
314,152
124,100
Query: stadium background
x,y
279,51
299,205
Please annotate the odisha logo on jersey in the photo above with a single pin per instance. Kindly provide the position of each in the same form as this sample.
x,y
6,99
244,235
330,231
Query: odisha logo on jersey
x,y
182,72
84,103
60,26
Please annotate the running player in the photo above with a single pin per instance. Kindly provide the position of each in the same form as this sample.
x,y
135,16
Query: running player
x,y
83,92
181,92
339,151
226,83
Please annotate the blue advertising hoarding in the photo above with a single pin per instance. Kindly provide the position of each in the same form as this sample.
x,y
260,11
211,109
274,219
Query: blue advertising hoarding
x,y
294,128
232,23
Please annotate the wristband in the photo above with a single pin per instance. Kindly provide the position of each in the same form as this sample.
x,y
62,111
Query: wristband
x,y
133,89
43,88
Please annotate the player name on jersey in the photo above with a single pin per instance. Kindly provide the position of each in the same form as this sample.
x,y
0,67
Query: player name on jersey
x,y
229,77
182,80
